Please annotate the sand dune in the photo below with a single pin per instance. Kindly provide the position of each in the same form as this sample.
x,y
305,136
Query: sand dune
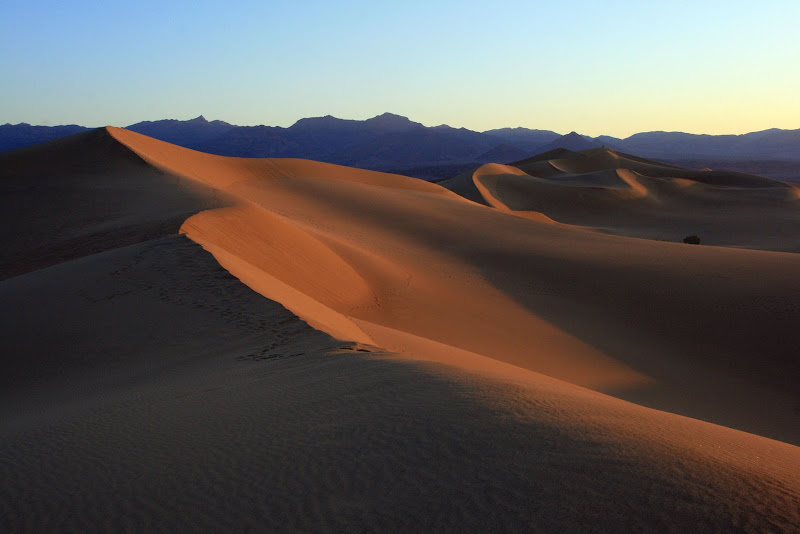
x,y
509,349
362,258
625,195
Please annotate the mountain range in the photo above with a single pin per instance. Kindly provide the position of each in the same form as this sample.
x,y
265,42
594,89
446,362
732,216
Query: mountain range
x,y
394,143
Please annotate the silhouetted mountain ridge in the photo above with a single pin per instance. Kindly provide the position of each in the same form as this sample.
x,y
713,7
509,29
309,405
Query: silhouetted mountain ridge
x,y
528,140
13,136
571,141
393,142
766,144
184,133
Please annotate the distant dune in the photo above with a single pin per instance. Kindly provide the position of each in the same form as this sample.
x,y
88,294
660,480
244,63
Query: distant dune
x,y
490,357
615,193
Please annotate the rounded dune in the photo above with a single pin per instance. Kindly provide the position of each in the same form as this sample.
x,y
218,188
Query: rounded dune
x,y
612,193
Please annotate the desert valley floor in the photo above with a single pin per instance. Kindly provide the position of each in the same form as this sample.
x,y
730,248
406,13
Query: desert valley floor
x,y
199,343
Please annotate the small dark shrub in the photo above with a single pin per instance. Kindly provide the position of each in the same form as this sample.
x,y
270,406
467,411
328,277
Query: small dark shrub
x,y
692,240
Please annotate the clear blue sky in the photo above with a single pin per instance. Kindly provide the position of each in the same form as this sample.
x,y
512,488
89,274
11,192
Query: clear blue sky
x,y
612,67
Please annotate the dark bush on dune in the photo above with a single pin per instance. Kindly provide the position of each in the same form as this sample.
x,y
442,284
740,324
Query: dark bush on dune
x,y
692,240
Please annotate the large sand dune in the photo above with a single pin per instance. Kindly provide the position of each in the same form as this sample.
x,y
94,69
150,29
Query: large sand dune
x,y
148,387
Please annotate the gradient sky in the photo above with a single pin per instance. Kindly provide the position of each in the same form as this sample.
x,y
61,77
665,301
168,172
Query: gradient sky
x,y
614,67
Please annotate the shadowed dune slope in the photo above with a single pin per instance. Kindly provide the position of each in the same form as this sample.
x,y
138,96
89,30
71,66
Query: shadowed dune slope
x,y
184,401
85,194
613,193
145,387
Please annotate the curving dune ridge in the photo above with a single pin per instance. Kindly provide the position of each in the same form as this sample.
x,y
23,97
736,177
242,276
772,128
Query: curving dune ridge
x,y
394,261
544,326
603,191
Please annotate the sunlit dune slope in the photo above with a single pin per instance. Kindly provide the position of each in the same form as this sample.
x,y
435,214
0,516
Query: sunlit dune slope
x,y
620,194
405,265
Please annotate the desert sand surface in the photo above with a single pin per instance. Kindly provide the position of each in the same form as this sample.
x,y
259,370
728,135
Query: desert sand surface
x,y
614,193
369,352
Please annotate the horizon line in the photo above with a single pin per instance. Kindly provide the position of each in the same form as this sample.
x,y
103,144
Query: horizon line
x,y
202,116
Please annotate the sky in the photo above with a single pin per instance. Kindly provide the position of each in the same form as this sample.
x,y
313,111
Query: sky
x,y
614,67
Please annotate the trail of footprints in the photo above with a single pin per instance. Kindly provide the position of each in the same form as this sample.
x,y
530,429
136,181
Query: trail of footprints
x,y
274,352
197,281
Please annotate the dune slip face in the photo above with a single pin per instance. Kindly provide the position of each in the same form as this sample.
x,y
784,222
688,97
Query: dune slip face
x,y
506,355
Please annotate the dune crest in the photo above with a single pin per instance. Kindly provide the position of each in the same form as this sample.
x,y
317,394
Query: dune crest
x,y
224,172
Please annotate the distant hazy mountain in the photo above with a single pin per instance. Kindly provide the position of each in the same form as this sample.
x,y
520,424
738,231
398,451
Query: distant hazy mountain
x,y
252,142
323,136
185,133
424,146
607,140
767,144
386,123
504,153
312,138
384,142
14,136
394,143
571,141
528,140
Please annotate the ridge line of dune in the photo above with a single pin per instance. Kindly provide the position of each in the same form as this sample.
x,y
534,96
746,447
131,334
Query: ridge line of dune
x,y
345,325
484,191
312,311
493,201
211,169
